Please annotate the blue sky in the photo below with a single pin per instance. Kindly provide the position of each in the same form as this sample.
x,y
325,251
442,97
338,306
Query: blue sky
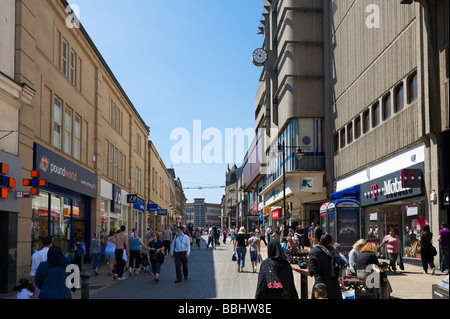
x,y
180,61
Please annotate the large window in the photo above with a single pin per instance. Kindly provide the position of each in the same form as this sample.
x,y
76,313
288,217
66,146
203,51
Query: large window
x,y
357,127
349,132
116,117
57,122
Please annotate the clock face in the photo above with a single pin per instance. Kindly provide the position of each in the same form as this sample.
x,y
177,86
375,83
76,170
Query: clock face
x,y
259,57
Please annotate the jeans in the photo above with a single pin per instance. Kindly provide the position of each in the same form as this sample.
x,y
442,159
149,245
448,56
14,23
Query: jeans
x,y
96,260
241,251
444,263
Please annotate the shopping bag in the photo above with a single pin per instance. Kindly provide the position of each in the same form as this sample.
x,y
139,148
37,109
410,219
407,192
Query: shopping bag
x,y
348,294
234,258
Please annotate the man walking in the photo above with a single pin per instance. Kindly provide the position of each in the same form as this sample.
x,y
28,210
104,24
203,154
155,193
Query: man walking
x,y
443,243
180,250
121,249
167,238
38,257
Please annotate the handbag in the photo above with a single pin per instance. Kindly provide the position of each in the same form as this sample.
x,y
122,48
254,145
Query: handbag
x,y
234,258
400,262
433,250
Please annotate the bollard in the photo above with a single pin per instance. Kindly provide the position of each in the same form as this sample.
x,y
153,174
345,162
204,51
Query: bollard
x,y
303,282
384,284
85,285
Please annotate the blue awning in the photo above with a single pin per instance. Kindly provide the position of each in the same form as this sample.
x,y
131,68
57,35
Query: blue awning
x,y
348,193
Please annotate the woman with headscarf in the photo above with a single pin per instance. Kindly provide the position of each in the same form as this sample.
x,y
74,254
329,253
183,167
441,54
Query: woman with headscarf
x,y
51,276
320,265
275,279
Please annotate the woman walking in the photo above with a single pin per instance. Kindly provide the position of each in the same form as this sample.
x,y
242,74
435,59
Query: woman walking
x,y
110,252
95,254
320,265
275,279
254,249
392,243
427,249
135,253
155,246
240,247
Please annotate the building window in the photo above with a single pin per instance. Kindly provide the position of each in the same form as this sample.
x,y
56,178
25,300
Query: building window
x,y
57,121
111,161
77,139
138,180
73,67
68,131
138,144
116,162
399,98
412,88
116,117
366,121
376,114
349,132
386,106
342,137
120,167
65,58
357,127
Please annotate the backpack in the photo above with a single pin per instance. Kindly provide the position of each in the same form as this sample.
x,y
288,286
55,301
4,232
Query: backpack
x,y
79,252
337,263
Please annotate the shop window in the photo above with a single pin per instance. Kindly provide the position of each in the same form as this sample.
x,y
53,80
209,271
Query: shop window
x,y
376,114
366,121
57,122
387,106
399,98
412,88
357,127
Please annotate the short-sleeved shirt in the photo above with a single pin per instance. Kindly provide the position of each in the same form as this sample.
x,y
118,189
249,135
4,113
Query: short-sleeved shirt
x,y
240,240
392,244
444,237
253,242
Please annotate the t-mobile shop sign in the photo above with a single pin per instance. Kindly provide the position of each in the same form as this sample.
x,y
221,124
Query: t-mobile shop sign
x,y
61,172
401,184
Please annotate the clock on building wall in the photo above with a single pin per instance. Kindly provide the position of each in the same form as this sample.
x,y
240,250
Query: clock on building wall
x,y
259,57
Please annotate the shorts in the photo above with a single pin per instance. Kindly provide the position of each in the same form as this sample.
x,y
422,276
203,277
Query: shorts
x,y
110,255
254,255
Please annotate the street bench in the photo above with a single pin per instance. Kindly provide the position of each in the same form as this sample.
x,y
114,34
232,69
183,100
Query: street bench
x,y
361,290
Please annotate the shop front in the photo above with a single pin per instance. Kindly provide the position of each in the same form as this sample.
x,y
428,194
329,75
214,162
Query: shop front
x,y
62,209
390,202
139,217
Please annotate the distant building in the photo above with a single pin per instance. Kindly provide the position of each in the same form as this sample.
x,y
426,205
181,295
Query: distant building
x,y
202,214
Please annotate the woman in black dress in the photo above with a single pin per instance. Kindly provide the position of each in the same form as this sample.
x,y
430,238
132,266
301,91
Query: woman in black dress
x,y
275,279
320,265
426,252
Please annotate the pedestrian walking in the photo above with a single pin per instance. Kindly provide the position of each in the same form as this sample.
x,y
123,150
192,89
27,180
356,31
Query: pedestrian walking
x,y
155,246
269,233
443,244
198,236
51,276
392,242
110,252
225,232
79,251
180,250
320,265
255,248
24,289
37,258
166,239
262,235
240,247
121,252
135,244
95,253
232,235
428,251
275,278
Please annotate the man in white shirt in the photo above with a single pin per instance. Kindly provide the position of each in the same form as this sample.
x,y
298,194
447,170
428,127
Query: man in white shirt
x,y
180,250
38,257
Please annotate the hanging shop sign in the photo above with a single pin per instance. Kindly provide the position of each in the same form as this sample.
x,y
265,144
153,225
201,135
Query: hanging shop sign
x,y
117,199
391,187
61,172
